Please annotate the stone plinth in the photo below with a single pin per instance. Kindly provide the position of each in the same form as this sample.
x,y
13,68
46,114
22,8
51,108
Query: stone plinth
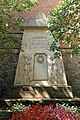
x,y
37,65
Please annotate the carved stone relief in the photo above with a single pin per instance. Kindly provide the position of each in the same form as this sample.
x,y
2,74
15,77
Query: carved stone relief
x,y
37,65
40,71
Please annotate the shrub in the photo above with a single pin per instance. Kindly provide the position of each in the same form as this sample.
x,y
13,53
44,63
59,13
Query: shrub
x,y
64,25
48,112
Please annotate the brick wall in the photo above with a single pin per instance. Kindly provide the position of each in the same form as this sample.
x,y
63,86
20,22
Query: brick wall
x,y
43,6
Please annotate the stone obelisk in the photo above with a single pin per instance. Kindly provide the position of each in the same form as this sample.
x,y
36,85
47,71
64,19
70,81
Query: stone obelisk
x,y
37,65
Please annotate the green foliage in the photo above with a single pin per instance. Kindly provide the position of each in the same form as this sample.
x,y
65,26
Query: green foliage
x,y
10,13
64,24
5,115
8,44
10,20
70,108
18,107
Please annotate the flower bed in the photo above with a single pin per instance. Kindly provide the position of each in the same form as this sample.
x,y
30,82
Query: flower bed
x,y
48,112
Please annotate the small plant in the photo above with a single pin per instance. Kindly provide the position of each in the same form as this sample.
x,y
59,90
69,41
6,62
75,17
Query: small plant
x,y
70,108
18,107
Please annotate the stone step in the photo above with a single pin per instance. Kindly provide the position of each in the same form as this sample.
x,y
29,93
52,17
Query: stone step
x,y
37,92
44,99
9,102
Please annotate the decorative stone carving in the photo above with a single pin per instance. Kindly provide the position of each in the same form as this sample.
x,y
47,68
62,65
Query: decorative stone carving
x,y
28,70
40,59
40,71
37,65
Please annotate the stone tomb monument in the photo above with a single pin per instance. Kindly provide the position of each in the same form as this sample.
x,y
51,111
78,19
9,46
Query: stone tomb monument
x,y
37,66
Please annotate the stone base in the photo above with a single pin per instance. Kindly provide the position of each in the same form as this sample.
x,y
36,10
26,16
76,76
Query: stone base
x,y
40,92
47,92
59,91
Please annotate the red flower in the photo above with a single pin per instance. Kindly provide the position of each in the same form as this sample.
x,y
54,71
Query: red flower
x,y
48,112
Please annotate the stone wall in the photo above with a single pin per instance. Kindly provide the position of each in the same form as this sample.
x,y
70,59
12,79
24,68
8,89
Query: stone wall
x,y
43,6
72,69
7,72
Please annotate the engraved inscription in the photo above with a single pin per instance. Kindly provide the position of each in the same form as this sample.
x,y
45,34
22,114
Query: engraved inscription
x,y
38,42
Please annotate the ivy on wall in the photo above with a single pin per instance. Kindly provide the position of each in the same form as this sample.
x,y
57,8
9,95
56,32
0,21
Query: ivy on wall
x,y
11,12
64,25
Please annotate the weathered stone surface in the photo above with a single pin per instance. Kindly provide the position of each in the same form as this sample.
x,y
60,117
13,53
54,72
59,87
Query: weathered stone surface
x,y
37,65
39,20
72,68
36,92
4,74
70,71
1,82
7,71
69,63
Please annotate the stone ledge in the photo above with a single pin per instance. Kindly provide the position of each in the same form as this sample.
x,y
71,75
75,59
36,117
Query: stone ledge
x,y
10,102
55,99
39,92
